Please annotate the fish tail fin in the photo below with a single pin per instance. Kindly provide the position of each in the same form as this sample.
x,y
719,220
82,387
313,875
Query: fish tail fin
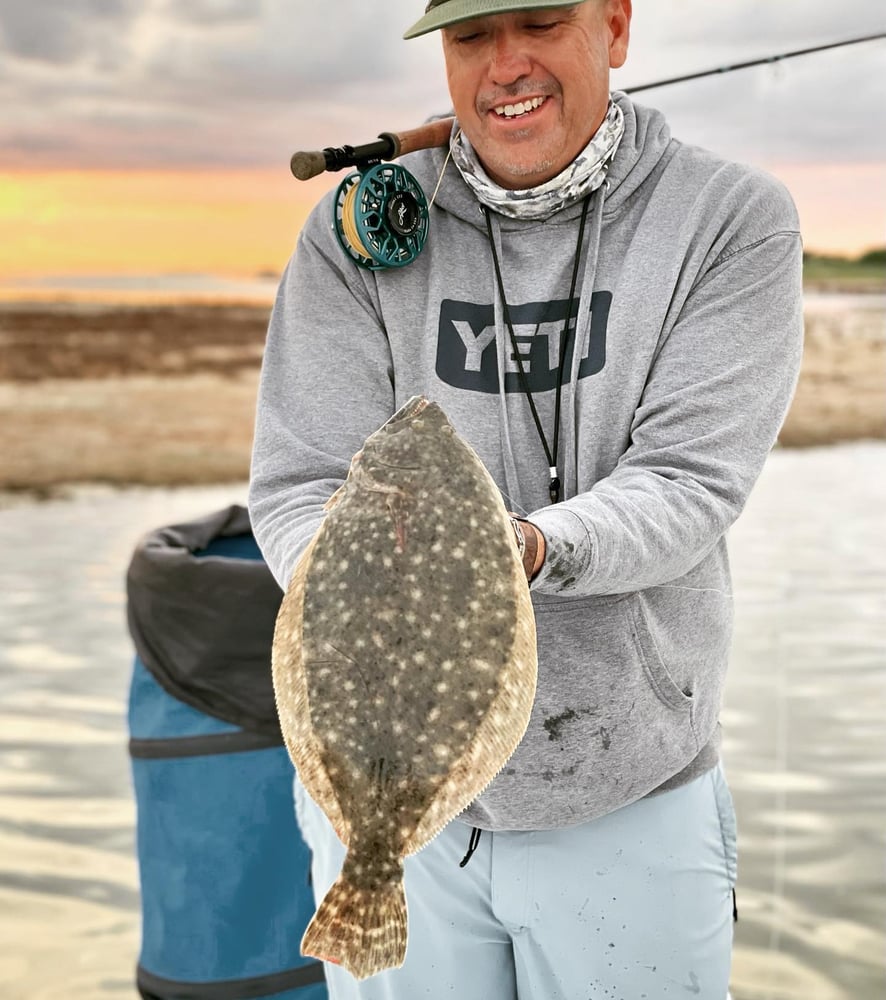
x,y
363,930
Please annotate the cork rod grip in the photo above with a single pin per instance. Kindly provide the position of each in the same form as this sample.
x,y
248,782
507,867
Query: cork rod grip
x,y
424,137
306,165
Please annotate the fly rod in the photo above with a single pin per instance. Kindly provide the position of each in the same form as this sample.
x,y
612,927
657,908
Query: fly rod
x,y
390,145
766,60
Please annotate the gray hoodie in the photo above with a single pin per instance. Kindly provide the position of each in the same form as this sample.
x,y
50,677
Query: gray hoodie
x,y
682,353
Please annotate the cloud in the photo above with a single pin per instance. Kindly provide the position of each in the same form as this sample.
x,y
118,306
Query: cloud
x,y
759,23
825,107
60,32
164,82
211,13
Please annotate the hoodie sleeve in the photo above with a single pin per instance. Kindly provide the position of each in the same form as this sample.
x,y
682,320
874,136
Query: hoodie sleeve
x,y
326,384
717,393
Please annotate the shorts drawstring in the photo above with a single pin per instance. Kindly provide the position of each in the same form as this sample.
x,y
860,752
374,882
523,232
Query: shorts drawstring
x,y
472,846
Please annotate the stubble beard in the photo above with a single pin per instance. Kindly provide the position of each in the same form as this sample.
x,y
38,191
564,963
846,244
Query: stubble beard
x,y
501,166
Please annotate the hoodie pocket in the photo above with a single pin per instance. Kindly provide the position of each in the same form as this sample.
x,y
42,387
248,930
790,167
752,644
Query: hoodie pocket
x,y
610,721
669,691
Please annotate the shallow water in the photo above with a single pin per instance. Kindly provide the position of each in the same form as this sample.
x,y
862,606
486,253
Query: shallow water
x,y
804,733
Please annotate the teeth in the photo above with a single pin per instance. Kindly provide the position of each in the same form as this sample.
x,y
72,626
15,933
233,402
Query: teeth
x,y
515,110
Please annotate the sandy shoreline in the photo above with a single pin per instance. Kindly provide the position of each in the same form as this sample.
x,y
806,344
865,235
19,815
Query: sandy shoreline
x,y
164,395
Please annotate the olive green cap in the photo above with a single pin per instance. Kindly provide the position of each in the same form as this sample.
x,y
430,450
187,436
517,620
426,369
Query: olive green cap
x,y
440,13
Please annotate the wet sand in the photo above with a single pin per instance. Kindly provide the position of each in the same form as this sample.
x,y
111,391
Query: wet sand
x,y
165,395
804,732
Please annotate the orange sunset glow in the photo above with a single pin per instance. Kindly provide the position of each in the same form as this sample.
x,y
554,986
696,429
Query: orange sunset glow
x,y
226,222
243,222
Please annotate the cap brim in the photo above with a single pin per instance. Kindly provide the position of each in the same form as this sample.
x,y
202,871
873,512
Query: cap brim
x,y
454,11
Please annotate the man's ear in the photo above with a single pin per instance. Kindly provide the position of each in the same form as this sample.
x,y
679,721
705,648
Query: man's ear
x,y
619,21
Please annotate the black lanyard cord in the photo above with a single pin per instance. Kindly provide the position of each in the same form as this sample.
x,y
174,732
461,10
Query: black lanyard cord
x,y
551,453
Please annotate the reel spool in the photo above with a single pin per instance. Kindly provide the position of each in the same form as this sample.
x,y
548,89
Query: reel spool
x,y
381,217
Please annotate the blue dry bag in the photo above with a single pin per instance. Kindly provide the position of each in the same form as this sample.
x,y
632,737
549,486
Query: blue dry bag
x,y
224,871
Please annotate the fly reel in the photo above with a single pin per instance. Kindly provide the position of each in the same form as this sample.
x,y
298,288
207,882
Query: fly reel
x,y
381,217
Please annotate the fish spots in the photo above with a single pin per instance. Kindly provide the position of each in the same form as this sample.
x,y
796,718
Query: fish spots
x,y
424,610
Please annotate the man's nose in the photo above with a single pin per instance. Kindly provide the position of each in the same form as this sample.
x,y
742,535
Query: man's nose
x,y
510,60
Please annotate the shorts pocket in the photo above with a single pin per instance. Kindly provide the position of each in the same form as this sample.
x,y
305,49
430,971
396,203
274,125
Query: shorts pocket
x,y
728,824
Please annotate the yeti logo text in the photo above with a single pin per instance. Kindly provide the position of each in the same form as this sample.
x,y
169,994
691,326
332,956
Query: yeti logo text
x,y
466,350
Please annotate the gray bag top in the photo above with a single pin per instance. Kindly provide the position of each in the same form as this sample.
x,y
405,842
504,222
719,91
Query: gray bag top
x,y
201,608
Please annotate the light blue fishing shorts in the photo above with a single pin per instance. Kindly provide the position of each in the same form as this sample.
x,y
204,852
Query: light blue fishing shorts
x,y
636,905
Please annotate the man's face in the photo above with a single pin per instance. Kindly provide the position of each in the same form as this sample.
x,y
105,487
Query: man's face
x,y
554,65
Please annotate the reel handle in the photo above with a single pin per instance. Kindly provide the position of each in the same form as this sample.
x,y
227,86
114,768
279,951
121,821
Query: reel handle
x,y
388,146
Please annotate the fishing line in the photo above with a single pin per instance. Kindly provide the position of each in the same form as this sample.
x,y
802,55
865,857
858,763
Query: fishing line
x,y
445,165
349,224
779,861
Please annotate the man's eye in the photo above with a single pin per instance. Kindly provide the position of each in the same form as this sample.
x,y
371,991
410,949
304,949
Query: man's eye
x,y
468,37
542,26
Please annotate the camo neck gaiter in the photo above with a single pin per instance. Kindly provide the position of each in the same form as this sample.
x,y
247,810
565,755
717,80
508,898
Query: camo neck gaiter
x,y
585,174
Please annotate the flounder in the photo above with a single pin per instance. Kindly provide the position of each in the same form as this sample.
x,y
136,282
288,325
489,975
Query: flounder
x,y
404,667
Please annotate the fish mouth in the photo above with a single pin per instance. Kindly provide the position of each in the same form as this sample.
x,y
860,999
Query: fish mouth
x,y
410,409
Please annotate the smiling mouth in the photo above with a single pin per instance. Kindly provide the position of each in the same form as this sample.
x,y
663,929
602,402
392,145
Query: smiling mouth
x,y
520,109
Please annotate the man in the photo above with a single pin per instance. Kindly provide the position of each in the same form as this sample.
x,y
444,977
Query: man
x,y
613,320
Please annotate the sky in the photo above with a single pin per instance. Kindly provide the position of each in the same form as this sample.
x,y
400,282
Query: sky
x,y
155,135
